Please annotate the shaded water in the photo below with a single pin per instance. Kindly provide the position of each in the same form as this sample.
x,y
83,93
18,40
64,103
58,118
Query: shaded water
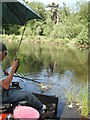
x,y
59,67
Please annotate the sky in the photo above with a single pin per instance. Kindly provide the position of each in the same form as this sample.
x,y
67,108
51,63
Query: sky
x,y
60,2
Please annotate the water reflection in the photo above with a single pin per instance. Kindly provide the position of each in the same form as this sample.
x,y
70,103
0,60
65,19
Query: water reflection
x,y
60,66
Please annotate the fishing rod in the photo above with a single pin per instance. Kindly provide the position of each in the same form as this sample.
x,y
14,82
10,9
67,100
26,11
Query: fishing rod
x,y
33,80
43,87
27,78
22,35
20,42
23,77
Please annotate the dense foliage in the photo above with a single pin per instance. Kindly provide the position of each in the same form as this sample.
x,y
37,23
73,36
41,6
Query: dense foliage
x,y
72,24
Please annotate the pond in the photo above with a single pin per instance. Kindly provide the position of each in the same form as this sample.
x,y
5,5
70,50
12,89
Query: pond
x,y
58,67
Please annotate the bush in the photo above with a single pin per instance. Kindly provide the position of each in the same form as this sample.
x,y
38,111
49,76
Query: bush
x,y
82,38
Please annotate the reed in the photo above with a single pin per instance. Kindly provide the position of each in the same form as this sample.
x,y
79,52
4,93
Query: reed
x,y
79,97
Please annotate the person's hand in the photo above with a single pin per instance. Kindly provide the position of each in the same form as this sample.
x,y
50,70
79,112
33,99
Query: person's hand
x,y
5,72
14,64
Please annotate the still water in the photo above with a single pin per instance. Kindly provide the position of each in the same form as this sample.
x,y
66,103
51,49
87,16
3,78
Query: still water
x,y
57,67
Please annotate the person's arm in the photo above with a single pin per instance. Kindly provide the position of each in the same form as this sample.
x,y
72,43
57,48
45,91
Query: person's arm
x,y
6,82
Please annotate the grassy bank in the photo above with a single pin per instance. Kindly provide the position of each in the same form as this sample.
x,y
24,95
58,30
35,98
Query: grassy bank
x,y
43,40
16,38
79,97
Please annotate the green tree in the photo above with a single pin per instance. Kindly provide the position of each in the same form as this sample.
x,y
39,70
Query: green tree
x,y
54,11
73,24
35,27
11,29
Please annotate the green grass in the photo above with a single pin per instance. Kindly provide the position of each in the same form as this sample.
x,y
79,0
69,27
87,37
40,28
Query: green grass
x,y
79,97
